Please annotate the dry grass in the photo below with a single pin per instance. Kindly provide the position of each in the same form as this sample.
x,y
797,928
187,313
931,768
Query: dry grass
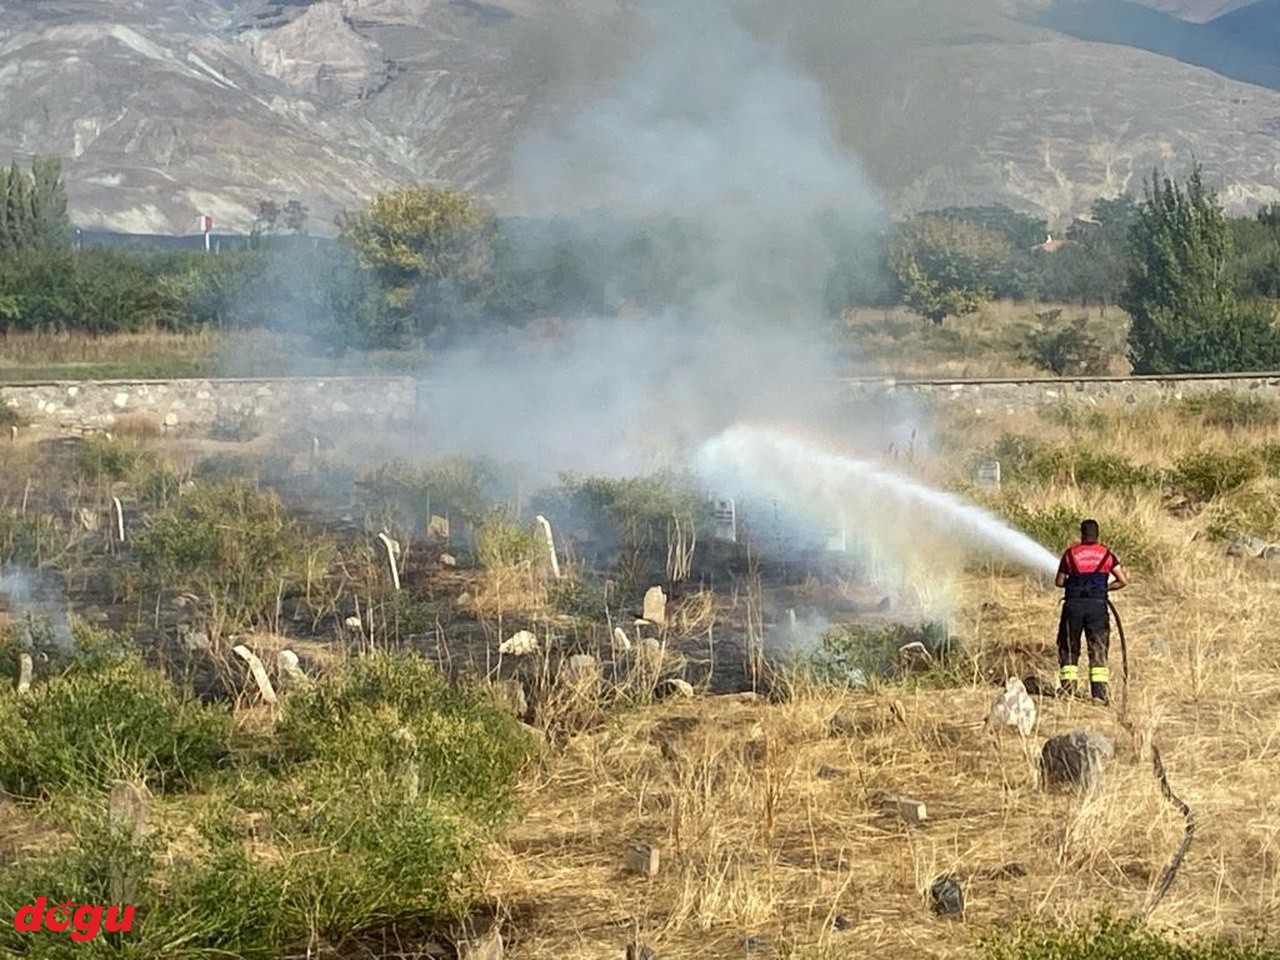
x,y
987,344
769,821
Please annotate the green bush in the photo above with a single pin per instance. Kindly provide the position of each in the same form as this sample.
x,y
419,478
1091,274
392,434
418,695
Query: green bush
x,y
849,653
1059,526
1025,459
34,539
1206,474
1230,409
11,417
119,458
235,426
116,718
384,712
1069,349
501,541
227,542
1251,512
1109,938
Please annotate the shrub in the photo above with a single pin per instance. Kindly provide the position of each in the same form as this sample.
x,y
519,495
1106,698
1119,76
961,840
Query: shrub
x,y
1058,526
1030,460
850,653
1108,938
34,539
113,719
1069,349
502,542
119,458
1230,409
235,426
229,543
1252,512
11,417
1206,474
385,711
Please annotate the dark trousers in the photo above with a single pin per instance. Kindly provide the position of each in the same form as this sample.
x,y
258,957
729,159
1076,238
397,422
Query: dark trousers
x,y
1091,618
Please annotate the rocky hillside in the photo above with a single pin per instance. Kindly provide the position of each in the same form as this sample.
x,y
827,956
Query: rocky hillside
x,y
167,109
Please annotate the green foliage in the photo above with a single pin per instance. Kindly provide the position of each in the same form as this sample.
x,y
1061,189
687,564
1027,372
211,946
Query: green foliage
x,y
385,714
946,267
1205,474
228,543
235,426
401,493
106,718
377,791
109,460
1251,512
430,248
1186,316
850,654
630,518
1067,349
1229,409
1058,527
31,539
1112,938
503,542
1025,459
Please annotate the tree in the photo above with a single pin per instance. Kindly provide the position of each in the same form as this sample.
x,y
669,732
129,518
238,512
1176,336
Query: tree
x,y
946,267
50,224
1180,292
17,202
431,249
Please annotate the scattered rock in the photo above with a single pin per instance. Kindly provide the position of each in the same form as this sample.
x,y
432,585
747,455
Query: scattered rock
x,y
842,922
522,643
831,773
1159,647
621,639
1075,760
91,520
1014,708
845,724
947,897
913,811
643,859
463,601
288,668
682,687
448,559
353,623
1247,547
170,419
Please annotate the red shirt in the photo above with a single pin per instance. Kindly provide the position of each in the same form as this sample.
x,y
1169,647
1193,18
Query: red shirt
x,y
1086,558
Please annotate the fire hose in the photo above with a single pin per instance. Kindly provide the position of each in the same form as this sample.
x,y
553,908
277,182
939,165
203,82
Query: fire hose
x,y
1189,831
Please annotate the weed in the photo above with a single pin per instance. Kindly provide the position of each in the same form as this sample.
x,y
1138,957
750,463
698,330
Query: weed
x,y
855,653
113,459
1058,526
230,544
99,721
11,417
1230,409
235,426
1108,938
1247,512
1206,474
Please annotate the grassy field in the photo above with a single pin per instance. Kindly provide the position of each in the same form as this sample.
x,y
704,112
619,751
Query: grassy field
x,y
374,807
991,343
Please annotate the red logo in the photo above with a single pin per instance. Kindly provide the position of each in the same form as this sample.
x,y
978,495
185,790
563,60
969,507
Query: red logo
x,y
84,921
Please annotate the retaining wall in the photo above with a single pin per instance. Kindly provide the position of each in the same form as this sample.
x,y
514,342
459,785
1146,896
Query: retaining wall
x,y
96,405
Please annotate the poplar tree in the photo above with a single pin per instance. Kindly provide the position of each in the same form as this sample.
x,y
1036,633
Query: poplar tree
x,y
50,224
1186,316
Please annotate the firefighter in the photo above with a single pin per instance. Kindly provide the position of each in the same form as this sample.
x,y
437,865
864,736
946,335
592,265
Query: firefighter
x,y
1087,572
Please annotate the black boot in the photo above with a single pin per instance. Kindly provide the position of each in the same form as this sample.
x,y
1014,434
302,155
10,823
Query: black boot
x,y
1100,693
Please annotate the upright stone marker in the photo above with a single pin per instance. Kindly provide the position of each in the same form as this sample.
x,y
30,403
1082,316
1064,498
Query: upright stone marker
x,y
725,518
655,606
438,528
989,474
258,670
545,524
392,549
26,668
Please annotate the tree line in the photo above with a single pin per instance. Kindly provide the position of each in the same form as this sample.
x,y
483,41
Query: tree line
x,y
432,263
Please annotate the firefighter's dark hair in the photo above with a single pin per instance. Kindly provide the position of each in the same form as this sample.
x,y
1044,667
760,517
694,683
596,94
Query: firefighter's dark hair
x,y
1089,531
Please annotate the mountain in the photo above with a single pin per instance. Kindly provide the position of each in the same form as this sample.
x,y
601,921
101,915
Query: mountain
x,y
167,109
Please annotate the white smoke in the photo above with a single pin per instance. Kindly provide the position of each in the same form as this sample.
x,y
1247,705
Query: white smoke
x,y
28,597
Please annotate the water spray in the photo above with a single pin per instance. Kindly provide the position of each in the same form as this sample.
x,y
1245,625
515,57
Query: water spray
x,y
891,509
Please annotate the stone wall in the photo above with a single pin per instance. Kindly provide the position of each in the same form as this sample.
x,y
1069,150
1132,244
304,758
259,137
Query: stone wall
x,y
182,404
96,405
997,396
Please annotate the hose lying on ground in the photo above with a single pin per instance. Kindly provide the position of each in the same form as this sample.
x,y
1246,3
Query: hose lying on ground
x,y
1170,871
